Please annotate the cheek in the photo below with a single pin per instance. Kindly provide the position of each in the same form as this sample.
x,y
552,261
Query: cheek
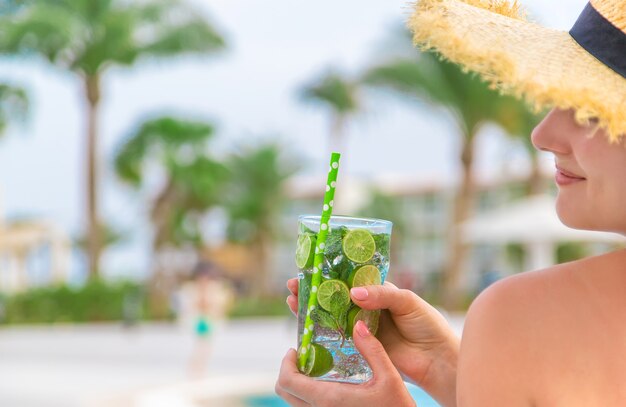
x,y
605,165
597,203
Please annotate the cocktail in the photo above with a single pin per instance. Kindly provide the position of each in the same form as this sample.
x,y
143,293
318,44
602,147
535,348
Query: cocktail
x,y
355,253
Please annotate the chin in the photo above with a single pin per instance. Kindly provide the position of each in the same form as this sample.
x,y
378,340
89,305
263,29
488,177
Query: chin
x,y
576,215
572,222
572,214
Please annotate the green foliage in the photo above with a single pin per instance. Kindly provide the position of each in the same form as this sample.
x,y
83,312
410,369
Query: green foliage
x,y
167,137
194,180
255,195
259,307
94,302
570,251
441,83
87,36
471,101
333,90
13,105
516,254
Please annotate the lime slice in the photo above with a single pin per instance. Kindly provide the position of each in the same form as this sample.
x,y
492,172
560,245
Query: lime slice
x,y
359,245
333,295
364,275
318,362
370,317
305,250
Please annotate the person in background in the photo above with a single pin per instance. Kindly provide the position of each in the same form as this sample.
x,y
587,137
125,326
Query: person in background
x,y
204,303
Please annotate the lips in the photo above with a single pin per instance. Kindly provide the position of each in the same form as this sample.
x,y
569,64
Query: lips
x,y
564,177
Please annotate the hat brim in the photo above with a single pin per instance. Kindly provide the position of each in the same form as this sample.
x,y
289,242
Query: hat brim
x,y
544,66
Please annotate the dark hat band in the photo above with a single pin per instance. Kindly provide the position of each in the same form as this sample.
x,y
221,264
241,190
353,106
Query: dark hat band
x,y
601,38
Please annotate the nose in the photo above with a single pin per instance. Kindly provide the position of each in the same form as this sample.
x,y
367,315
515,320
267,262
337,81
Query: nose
x,y
552,133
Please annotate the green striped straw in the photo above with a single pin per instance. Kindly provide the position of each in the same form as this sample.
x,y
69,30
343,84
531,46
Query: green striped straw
x,y
316,279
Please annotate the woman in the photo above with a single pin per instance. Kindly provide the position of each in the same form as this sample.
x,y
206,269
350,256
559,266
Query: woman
x,y
554,337
205,301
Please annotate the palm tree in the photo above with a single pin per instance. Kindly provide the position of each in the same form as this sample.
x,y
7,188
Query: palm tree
x,y
86,37
193,184
340,96
13,105
388,207
520,122
193,179
471,103
254,202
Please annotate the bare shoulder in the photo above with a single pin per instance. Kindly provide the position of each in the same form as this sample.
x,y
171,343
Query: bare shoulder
x,y
523,327
496,330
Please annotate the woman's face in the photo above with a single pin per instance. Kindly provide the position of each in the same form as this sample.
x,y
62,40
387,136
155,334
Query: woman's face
x,y
590,172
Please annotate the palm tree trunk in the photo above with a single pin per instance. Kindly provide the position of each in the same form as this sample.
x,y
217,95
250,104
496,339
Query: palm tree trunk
x,y
162,282
161,216
262,276
94,243
457,249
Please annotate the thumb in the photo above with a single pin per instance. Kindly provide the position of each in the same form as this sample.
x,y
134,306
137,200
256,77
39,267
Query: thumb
x,y
372,350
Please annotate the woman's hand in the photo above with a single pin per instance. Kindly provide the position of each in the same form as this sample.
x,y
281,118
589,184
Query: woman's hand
x,y
415,335
386,387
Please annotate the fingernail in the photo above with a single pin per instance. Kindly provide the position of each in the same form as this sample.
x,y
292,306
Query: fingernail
x,y
361,329
359,293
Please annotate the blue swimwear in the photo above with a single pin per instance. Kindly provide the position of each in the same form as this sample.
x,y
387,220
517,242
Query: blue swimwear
x,y
203,327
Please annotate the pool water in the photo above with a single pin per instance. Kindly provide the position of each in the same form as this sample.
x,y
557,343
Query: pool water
x,y
272,400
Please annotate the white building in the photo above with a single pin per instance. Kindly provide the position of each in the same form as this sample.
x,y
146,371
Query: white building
x,y
32,253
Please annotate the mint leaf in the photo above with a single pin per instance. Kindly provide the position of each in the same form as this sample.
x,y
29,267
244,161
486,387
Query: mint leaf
x,y
304,291
323,318
339,306
333,242
382,243
342,268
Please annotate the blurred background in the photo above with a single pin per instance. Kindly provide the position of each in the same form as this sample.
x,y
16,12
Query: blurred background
x,y
155,155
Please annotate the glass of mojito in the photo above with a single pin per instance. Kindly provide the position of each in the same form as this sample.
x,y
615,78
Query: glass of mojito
x,y
356,254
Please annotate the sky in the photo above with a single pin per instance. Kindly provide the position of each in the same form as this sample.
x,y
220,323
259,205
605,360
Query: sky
x,y
250,92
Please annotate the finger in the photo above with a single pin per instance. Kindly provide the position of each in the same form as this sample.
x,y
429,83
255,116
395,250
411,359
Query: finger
x,y
373,351
292,285
289,398
390,284
293,382
292,302
388,296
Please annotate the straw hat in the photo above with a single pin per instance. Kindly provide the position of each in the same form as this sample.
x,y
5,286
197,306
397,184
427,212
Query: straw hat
x,y
584,69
